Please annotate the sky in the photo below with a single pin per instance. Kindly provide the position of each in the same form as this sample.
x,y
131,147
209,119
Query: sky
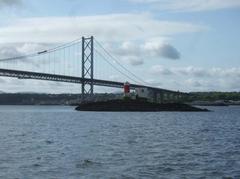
x,y
186,45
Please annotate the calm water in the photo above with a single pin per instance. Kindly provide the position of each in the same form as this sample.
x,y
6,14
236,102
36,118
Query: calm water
x,y
59,143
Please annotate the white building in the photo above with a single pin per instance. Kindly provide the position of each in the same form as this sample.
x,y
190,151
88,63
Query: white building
x,y
143,93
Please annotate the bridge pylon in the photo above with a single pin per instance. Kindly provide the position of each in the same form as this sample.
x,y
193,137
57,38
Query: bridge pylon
x,y
87,66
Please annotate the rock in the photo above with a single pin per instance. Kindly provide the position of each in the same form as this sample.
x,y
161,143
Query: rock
x,y
136,105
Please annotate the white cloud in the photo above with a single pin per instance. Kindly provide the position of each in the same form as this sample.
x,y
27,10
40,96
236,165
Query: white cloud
x,y
192,71
154,82
133,60
21,49
9,51
200,79
7,3
162,50
158,69
135,52
193,83
196,71
113,27
114,77
130,30
129,48
26,48
191,5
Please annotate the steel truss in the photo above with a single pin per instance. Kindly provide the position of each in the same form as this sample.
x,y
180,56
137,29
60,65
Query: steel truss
x,y
87,66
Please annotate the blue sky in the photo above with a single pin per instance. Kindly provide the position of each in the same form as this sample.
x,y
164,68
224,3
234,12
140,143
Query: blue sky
x,y
177,44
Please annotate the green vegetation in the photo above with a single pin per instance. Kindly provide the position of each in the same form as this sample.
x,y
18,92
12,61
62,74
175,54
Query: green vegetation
x,y
213,96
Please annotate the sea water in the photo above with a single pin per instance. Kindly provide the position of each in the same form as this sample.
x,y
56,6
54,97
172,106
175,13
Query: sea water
x,y
57,142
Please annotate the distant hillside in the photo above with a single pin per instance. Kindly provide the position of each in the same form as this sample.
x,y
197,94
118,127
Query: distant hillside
x,y
74,99
50,99
214,96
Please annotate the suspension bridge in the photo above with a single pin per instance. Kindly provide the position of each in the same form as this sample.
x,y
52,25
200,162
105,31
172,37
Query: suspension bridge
x,y
84,61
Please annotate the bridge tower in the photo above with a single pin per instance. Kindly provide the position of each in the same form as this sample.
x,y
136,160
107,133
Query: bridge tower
x,y
87,66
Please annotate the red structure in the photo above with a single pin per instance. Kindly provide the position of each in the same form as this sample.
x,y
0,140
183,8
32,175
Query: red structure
x,y
126,88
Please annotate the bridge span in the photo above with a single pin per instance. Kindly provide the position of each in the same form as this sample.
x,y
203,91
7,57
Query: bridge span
x,y
77,56
71,79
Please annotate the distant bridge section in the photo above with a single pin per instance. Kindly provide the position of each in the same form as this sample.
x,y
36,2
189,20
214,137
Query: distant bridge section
x,y
71,79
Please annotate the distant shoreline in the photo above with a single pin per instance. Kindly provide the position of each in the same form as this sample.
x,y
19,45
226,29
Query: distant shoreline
x,y
198,99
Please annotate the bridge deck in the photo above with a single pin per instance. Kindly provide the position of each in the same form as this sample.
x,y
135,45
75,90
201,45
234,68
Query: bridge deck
x,y
71,79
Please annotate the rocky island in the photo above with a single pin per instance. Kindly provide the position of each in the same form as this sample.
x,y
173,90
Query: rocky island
x,y
136,106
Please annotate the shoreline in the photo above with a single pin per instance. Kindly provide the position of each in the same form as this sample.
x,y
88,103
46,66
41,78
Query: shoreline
x,y
137,106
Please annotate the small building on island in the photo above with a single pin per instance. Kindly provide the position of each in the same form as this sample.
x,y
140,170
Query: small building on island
x,y
143,93
140,93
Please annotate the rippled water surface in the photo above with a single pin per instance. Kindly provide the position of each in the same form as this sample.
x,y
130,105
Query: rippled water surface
x,y
59,143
